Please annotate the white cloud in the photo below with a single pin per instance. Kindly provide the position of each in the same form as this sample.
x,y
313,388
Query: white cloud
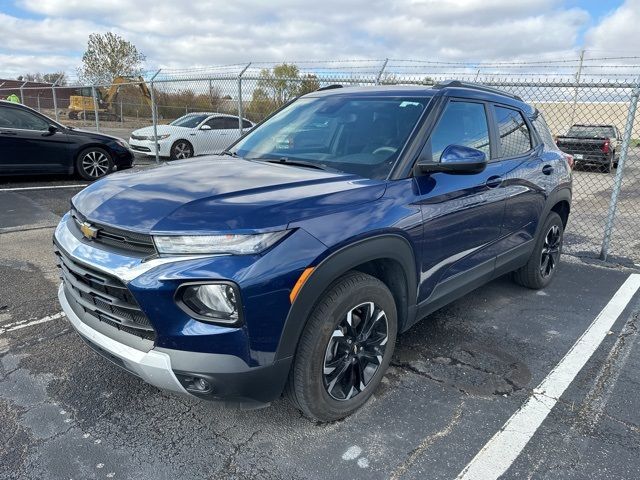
x,y
209,32
617,33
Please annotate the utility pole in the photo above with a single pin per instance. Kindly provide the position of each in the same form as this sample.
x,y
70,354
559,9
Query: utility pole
x,y
154,117
384,65
575,94
240,112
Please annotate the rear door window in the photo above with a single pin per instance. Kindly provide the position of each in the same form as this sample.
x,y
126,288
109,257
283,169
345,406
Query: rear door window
x,y
230,123
217,123
515,138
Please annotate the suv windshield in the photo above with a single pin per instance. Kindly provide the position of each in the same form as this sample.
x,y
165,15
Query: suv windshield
x,y
362,136
586,131
189,121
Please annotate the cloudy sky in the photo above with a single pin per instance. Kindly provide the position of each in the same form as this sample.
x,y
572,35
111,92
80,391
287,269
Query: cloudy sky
x,y
50,35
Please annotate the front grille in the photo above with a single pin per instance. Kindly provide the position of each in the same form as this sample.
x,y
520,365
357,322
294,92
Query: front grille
x,y
139,148
104,297
115,237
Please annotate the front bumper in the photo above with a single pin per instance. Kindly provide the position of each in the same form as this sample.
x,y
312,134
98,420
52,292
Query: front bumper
x,y
231,380
153,367
145,147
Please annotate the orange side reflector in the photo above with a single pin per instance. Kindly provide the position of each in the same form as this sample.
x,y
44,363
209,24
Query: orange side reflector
x,y
303,278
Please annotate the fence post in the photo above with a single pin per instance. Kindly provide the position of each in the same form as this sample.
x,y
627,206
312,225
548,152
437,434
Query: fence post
x,y
22,93
384,65
154,117
55,99
240,112
94,94
39,101
121,116
617,183
575,93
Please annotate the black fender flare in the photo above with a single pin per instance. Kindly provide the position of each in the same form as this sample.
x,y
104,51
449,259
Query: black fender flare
x,y
560,194
387,246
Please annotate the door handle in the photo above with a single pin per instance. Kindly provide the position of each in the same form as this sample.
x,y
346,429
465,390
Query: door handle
x,y
494,181
547,169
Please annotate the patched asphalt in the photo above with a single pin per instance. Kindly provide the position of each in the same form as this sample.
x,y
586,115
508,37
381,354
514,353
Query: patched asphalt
x,y
456,377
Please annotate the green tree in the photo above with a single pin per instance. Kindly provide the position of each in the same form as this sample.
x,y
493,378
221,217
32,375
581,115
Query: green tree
x,y
108,56
277,86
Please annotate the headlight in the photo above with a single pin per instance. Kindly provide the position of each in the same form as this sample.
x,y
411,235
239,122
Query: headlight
x,y
209,244
216,301
160,137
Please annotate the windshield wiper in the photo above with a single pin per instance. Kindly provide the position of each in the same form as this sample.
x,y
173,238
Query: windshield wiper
x,y
230,153
295,163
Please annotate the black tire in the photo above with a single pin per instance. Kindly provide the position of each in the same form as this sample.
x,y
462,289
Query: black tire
x,y
607,167
317,388
181,149
537,274
94,163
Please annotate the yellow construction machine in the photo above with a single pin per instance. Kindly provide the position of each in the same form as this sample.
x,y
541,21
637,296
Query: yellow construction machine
x,y
83,105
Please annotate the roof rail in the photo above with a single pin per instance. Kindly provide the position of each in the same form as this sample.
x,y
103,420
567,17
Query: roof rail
x,y
475,86
329,87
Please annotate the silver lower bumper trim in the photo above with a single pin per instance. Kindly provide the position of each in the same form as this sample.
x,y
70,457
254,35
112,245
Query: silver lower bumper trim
x,y
153,367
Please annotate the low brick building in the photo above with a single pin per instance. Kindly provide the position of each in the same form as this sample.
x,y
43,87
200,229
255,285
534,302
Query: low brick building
x,y
36,95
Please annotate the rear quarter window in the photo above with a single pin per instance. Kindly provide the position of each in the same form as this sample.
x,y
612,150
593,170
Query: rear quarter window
x,y
541,127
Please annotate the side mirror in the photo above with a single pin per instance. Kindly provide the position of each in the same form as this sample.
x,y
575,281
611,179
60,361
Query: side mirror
x,y
51,130
205,127
456,159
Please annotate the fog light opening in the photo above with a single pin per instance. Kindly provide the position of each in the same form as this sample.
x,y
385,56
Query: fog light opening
x,y
197,385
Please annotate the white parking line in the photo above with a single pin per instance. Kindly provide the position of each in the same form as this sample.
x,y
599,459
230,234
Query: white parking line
x,y
10,327
21,189
495,458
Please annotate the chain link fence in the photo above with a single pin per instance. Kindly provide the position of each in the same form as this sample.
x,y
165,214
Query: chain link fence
x,y
589,105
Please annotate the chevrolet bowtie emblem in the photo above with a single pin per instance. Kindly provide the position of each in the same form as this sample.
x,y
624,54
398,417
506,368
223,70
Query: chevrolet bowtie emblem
x,y
90,232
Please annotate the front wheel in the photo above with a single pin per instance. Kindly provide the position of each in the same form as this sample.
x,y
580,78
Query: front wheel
x,y
94,163
543,263
345,348
181,149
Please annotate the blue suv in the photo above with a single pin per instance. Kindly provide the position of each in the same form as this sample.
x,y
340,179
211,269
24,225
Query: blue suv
x,y
290,263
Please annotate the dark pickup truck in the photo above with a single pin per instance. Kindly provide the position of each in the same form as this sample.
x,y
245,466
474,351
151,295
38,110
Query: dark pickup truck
x,y
592,145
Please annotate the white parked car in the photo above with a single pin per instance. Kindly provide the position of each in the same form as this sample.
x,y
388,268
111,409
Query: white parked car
x,y
190,135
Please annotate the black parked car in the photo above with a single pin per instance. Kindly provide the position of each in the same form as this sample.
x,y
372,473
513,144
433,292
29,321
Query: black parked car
x,y
31,143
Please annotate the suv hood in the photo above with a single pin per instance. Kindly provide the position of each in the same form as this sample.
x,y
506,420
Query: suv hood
x,y
220,193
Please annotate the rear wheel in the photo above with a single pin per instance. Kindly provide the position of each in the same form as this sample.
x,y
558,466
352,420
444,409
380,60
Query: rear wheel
x,y
542,265
94,163
345,348
607,167
181,149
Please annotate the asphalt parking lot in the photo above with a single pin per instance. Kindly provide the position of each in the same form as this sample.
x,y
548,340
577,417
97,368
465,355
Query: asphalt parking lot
x,y
455,380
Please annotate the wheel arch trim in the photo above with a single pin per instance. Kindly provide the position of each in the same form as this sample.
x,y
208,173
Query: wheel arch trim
x,y
561,194
387,246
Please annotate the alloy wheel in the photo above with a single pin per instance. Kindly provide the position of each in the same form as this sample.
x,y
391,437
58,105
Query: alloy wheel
x,y
355,351
182,150
95,164
550,251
